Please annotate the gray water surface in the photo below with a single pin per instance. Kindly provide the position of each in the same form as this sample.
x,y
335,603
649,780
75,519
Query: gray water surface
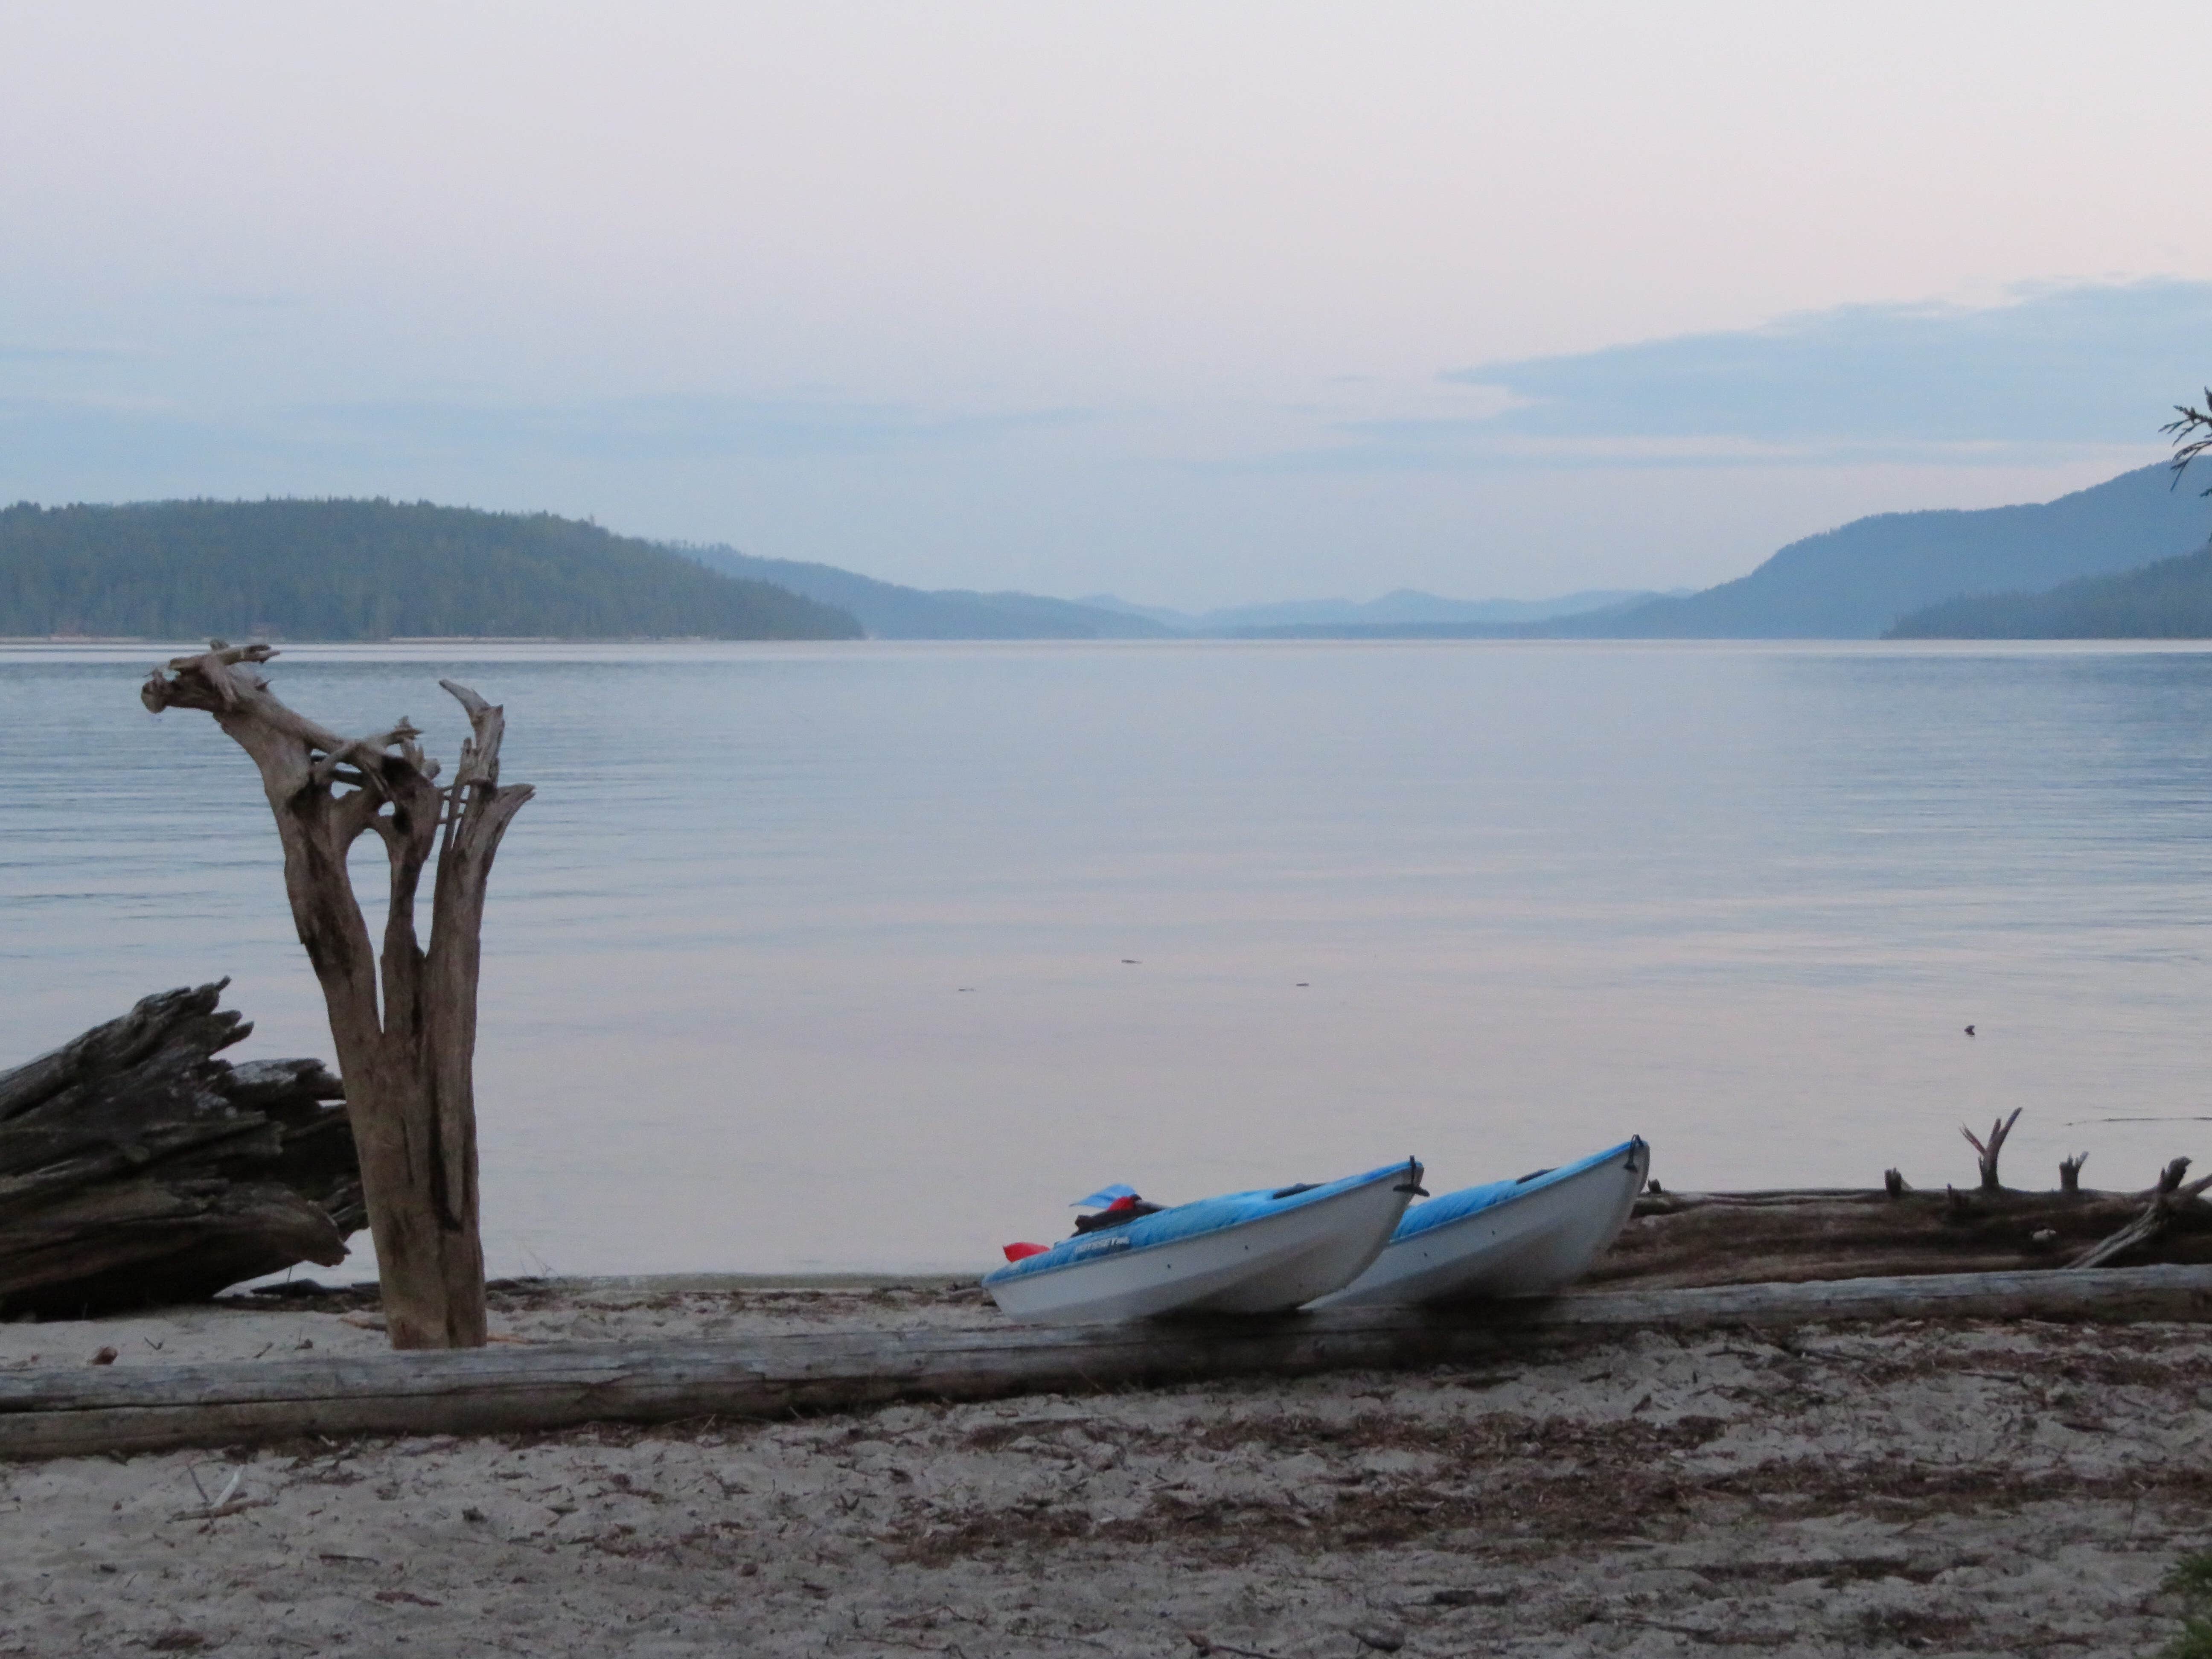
x,y
874,956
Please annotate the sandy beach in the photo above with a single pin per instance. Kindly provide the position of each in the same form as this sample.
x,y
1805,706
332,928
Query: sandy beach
x,y
1909,1488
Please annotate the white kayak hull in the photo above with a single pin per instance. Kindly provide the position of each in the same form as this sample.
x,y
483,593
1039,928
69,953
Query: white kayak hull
x,y
1275,1261
1528,1242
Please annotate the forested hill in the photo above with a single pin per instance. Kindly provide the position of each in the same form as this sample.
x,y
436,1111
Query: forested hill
x,y
1853,582
369,570
890,611
2171,599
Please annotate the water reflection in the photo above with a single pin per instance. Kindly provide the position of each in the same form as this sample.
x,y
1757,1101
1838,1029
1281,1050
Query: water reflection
x,y
1491,903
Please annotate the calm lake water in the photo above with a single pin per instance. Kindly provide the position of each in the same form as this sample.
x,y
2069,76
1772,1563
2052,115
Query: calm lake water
x,y
874,956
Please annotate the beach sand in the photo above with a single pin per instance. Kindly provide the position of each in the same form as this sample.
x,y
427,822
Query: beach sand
x,y
1915,1488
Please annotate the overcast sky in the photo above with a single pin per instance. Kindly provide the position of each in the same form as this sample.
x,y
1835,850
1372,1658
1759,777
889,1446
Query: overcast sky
x,y
1194,303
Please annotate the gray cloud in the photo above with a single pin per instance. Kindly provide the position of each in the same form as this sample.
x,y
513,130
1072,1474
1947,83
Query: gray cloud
x,y
2031,382
2077,365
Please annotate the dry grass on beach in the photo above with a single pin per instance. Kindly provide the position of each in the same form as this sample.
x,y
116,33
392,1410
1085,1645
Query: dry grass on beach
x,y
2017,1489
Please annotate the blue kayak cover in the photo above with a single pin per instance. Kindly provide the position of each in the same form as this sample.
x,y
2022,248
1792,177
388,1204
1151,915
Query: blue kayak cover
x,y
1103,1196
1207,1215
1457,1206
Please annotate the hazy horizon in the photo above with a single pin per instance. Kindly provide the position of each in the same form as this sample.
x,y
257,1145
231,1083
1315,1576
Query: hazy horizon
x,y
1200,308
1242,611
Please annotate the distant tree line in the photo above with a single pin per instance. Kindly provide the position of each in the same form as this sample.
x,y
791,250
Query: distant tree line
x,y
2171,599
369,570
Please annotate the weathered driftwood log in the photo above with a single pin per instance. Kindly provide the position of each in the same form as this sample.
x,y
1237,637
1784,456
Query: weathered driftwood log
x,y
1677,1239
2168,1204
405,1023
84,1409
137,1168
1738,1238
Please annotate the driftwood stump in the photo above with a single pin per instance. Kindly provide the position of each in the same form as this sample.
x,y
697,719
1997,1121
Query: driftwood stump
x,y
135,1168
1985,1152
404,1027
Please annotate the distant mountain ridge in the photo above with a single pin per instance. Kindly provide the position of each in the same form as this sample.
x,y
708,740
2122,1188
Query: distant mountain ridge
x,y
1400,608
890,611
377,569
369,570
1854,582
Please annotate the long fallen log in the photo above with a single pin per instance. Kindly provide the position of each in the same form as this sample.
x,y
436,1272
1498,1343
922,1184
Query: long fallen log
x,y
1675,1240
137,1168
55,1413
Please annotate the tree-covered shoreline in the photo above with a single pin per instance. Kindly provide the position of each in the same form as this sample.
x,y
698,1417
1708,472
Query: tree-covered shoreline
x,y
350,569
2170,599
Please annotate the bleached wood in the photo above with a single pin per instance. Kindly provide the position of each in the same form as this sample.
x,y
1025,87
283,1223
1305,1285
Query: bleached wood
x,y
83,1410
404,1017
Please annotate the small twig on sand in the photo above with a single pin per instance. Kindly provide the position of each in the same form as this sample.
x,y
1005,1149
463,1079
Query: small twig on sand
x,y
215,1508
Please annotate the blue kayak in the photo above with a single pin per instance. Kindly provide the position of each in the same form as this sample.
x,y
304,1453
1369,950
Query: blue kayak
x,y
1257,1252
1524,1237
